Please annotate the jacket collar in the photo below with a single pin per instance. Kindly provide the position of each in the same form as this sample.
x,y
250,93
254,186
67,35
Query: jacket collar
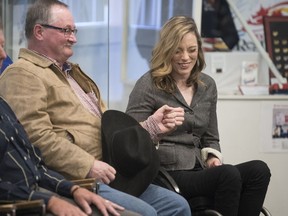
x,y
35,57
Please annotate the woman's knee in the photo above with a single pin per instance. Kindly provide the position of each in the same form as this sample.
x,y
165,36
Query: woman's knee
x,y
260,170
231,171
262,167
230,175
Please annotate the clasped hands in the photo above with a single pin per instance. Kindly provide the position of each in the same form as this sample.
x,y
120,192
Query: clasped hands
x,y
168,118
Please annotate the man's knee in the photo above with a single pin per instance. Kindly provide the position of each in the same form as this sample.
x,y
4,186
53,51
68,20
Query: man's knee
x,y
178,204
96,212
129,213
182,206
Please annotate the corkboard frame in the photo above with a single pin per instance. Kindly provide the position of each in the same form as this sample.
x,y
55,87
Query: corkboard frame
x,y
276,41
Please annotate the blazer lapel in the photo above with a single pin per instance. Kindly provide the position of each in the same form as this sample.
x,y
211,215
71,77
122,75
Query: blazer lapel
x,y
178,96
198,94
196,97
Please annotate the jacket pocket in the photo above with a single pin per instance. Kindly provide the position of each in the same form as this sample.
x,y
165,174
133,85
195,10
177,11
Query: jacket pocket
x,y
167,154
70,136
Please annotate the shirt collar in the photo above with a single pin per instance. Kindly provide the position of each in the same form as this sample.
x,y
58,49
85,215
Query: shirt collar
x,y
66,68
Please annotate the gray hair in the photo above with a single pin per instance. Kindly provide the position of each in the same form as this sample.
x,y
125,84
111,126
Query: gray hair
x,y
39,12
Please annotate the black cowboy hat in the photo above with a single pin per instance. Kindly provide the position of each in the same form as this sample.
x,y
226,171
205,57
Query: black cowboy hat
x,y
127,146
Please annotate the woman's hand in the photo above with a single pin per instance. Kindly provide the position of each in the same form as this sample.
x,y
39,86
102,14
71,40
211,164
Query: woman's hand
x,y
213,161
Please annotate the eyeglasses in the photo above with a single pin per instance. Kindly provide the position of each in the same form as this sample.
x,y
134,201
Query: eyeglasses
x,y
67,31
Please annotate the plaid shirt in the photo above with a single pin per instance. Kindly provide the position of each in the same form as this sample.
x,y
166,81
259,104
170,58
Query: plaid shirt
x,y
22,170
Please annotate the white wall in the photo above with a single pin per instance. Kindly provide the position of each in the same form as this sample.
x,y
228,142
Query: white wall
x,y
239,120
231,65
242,126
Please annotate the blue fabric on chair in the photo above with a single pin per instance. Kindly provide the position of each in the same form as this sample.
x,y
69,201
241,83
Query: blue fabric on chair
x,y
6,63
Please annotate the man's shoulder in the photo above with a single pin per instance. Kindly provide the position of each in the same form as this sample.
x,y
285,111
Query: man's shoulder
x,y
29,57
28,62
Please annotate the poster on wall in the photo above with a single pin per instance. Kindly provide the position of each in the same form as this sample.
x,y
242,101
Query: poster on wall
x,y
252,12
274,127
276,41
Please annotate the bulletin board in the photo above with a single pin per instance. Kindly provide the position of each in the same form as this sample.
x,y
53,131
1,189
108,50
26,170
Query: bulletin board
x,y
276,40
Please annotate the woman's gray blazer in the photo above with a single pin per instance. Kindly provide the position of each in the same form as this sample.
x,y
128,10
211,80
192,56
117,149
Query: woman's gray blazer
x,y
179,149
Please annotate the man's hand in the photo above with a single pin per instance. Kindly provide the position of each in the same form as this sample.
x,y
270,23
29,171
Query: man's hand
x,y
168,118
84,198
102,171
60,207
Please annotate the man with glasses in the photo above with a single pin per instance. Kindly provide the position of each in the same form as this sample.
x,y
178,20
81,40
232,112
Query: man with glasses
x,y
60,108
67,31
24,176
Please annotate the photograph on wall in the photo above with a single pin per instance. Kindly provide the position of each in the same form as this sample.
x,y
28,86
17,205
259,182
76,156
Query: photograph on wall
x,y
280,122
274,127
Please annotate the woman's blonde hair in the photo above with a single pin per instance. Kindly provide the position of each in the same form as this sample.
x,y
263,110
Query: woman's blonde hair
x,y
171,35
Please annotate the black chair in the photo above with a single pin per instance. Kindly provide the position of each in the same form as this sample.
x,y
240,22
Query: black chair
x,y
200,206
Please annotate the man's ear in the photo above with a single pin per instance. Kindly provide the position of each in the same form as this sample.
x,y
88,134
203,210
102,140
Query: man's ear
x,y
38,31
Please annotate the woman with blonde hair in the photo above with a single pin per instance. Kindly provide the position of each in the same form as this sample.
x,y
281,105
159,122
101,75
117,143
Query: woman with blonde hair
x,y
191,153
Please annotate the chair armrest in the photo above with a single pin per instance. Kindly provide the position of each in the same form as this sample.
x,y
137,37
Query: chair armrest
x,y
84,181
212,212
265,211
90,184
7,209
35,207
29,204
166,180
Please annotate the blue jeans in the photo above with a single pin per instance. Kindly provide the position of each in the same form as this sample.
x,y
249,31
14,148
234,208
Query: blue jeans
x,y
154,201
